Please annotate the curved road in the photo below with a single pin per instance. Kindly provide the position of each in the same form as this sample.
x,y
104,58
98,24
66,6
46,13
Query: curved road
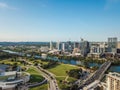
x,y
50,77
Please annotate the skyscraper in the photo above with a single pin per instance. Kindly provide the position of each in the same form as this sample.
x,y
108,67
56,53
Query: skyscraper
x,y
51,45
76,45
69,46
112,44
84,48
63,46
59,46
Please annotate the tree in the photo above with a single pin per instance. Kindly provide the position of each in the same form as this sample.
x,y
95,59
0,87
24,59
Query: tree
x,y
86,65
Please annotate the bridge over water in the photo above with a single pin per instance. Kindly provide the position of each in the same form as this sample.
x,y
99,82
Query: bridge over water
x,y
97,75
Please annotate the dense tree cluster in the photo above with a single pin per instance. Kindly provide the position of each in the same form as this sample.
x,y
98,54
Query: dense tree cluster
x,y
76,73
4,55
50,64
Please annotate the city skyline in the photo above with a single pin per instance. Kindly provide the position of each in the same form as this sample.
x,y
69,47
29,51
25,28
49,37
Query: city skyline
x,y
59,20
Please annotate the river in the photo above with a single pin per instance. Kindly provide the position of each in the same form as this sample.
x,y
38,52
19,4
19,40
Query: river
x,y
115,68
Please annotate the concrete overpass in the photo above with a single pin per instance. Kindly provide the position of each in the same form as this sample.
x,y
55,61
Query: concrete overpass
x,y
96,76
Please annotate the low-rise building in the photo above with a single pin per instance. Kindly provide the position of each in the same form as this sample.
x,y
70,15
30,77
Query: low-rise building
x,y
44,49
44,56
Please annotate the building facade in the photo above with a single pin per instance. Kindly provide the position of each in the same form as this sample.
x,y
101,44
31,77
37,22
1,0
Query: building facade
x,y
113,81
84,48
51,45
112,44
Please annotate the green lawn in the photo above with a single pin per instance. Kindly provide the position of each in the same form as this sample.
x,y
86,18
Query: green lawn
x,y
63,85
60,70
8,61
71,79
35,75
60,78
42,87
39,61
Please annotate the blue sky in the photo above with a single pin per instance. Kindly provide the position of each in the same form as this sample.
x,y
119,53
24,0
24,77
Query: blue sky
x,y
59,20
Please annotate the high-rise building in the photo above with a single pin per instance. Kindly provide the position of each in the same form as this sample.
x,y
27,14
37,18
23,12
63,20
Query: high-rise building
x,y
69,46
51,45
113,81
112,44
76,45
84,48
98,48
118,45
59,46
63,46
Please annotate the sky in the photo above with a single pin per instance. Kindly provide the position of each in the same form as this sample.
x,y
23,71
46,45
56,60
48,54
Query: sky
x,y
59,20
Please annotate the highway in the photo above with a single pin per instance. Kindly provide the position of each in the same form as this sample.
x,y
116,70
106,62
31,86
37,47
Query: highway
x,y
47,75
96,76
50,77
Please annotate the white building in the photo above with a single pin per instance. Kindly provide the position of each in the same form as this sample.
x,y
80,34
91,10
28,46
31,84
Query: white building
x,y
113,81
58,45
44,49
97,48
8,80
63,46
51,45
44,56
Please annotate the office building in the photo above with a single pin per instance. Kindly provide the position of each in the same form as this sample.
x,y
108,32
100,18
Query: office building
x,y
118,45
69,46
51,45
98,48
112,44
59,46
63,46
76,45
84,48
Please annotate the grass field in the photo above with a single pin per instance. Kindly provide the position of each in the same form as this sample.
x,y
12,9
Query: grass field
x,y
35,75
60,70
9,62
42,87
39,61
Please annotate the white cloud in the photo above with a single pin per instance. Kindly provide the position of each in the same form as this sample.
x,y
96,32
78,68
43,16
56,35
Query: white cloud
x,y
5,6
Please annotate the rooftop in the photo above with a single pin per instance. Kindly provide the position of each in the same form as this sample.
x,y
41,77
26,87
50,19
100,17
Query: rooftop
x,y
114,75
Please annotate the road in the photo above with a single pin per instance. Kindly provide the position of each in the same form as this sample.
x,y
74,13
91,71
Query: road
x,y
50,77
96,76
47,75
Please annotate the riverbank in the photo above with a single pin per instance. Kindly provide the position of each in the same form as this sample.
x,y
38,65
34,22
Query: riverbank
x,y
72,61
